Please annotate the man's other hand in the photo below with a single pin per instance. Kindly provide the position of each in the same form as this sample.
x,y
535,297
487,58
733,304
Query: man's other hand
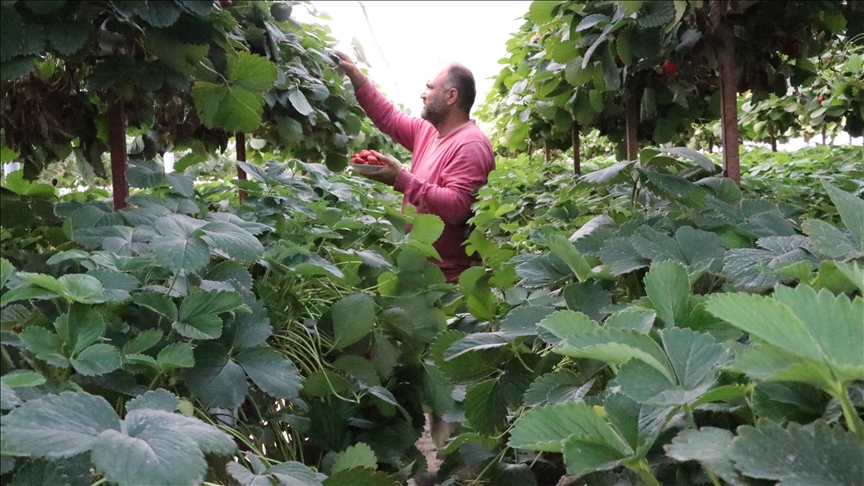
x,y
387,174
346,65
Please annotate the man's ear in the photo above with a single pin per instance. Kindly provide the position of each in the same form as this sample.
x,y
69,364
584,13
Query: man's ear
x,y
452,96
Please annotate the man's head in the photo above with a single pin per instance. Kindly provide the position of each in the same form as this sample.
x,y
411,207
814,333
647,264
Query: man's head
x,y
451,90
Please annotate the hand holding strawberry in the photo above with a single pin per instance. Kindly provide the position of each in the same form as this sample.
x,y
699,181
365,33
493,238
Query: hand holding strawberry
x,y
390,167
366,157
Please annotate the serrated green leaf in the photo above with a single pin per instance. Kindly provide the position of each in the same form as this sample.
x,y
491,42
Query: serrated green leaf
x,y
485,407
251,72
543,270
57,426
81,327
200,303
465,368
22,379
12,33
851,211
45,345
173,356
799,455
158,448
710,446
8,398
275,374
559,386
635,318
829,240
230,108
750,268
299,102
82,288
358,455
6,270
249,329
97,359
546,428
158,14
566,324
475,342
143,341
693,155
619,254
359,477
588,454
614,346
668,287
160,399
359,368
215,379
437,389
853,272
695,359
638,424
180,253
45,281
353,318
426,228
564,249
589,298
293,473
158,303
238,243
200,327
232,272
523,320
827,337
841,343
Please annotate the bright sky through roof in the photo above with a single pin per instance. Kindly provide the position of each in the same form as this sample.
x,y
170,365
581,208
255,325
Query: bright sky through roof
x,y
415,39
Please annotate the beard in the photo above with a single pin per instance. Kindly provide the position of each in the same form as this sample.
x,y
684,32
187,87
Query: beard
x,y
433,112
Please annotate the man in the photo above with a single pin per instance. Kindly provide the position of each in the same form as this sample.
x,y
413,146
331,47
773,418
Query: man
x,y
451,156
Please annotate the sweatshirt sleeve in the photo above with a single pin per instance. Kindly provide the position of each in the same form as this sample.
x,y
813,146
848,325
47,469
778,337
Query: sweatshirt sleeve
x,y
400,126
452,199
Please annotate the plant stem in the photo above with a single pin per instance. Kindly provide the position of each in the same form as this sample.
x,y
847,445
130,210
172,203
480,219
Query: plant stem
x,y
646,475
97,483
155,378
690,420
853,421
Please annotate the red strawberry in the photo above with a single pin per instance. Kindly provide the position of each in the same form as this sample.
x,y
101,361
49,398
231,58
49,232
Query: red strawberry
x,y
670,68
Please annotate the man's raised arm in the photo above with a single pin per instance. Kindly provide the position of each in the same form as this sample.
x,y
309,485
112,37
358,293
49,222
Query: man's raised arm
x,y
384,114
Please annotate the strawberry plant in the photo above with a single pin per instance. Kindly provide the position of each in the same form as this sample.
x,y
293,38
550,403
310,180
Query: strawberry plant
x,y
606,353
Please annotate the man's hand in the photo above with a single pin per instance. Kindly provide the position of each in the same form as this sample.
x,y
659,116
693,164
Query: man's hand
x,y
350,69
386,174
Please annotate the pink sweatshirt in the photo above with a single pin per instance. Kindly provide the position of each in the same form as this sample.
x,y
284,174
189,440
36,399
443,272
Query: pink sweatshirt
x,y
444,171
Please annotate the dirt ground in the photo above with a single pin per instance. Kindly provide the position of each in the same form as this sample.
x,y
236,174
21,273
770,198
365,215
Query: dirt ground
x,y
427,446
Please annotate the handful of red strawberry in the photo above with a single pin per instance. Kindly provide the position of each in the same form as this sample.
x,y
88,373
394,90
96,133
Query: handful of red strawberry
x,y
366,157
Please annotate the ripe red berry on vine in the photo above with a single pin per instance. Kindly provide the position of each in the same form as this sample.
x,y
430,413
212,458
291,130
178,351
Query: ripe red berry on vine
x,y
670,68
821,99
225,3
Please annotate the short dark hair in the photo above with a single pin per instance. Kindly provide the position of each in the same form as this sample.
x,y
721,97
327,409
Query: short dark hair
x,y
460,77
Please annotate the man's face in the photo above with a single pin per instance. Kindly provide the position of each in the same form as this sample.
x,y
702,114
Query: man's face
x,y
435,99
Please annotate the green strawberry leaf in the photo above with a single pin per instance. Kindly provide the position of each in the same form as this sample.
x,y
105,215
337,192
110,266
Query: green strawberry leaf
x,y
668,287
799,455
353,318
547,428
173,356
275,374
358,455
57,426
160,399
